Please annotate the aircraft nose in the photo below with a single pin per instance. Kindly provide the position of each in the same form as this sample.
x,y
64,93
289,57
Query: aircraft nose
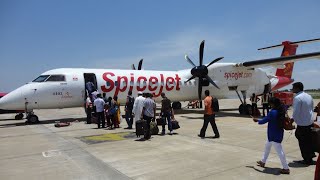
x,y
12,101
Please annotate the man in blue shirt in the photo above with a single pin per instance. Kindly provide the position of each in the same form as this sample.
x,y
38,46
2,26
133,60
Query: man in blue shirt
x,y
302,115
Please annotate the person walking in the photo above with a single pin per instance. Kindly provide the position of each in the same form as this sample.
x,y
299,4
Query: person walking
x,y
99,104
149,112
209,116
303,117
275,120
166,113
128,110
138,106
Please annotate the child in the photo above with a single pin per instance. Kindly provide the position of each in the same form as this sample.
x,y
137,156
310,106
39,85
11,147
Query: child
x,y
275,119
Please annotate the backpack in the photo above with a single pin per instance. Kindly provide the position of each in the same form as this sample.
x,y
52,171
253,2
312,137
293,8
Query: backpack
x,y
214,104
130,103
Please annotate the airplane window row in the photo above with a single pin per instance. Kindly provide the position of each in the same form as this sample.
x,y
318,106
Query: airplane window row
x,y
52,78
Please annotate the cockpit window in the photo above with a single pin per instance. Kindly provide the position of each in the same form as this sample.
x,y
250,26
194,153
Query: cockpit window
x,y
56,78
41,78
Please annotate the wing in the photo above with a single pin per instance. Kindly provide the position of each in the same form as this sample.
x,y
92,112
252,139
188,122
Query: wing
x,y
278,60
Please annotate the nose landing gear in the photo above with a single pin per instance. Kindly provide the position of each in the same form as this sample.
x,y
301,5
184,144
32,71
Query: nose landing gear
x,y
30,116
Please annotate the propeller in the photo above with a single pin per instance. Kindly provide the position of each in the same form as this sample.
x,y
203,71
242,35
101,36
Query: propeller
x,y
139,65
201,71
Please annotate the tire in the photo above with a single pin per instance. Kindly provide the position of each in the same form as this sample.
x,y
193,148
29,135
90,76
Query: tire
x,y
18,116
242,109
33,119
176,105
245,109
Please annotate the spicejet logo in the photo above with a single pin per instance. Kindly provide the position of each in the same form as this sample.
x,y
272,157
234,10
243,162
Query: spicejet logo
x,y
140,83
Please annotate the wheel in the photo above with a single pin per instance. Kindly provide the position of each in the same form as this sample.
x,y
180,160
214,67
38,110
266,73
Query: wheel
x,y
249,109
245,109
18,116
242,109
176,105
33,119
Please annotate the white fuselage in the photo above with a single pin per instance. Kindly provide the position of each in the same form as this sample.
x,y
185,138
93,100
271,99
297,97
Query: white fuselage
x,y
71,91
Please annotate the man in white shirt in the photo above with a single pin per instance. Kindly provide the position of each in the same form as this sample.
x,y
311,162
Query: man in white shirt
x,y
99,104
302,115
138,106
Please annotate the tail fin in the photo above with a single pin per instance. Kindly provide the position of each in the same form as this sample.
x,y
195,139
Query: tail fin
x,y
289,49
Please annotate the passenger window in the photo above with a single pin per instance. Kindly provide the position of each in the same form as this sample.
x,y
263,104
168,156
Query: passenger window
x,y
41,78
56,78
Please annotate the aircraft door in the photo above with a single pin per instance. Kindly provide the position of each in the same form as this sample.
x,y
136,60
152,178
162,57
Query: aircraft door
x,y
87,78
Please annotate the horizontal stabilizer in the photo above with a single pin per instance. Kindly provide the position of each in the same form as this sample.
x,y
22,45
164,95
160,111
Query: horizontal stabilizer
x,y
293,43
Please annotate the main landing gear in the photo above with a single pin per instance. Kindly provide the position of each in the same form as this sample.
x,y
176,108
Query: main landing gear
x,y
244,108
176,105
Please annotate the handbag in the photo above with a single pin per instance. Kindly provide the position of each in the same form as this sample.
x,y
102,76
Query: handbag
x,y
288,124
160,121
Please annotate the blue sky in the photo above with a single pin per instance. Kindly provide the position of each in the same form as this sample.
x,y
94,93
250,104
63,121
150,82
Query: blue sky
x,y
39,35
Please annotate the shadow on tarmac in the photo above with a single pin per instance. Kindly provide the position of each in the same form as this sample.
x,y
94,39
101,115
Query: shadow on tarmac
x,y
52,121
267,170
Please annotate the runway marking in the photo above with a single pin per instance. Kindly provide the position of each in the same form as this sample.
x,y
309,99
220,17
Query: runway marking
x,y
51,153
108,137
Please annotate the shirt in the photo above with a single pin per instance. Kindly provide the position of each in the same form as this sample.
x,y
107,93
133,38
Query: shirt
x,y
90,86
149,106
275,133
99,103
303,109
137,107
207,105
166,105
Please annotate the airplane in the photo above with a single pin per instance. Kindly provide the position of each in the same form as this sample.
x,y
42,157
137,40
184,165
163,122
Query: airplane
x,y
65,87
19,116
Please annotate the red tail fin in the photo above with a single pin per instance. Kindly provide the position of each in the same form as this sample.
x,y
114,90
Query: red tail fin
x,y
289,49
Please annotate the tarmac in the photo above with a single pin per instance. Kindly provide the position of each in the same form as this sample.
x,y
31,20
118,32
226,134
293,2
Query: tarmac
x,y
81,151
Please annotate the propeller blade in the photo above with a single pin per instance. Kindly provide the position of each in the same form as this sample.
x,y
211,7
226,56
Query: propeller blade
x,y
212,82
200,89
214,61
189,60
201,52
190,79
140,64
133,67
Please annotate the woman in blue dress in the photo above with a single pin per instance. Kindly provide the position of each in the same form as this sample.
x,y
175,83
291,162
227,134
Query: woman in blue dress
x,y
275,120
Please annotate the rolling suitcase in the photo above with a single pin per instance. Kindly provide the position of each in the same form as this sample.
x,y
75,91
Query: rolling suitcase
x,y
140,126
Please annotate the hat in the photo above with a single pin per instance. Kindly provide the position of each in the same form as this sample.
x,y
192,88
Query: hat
x,y
139,92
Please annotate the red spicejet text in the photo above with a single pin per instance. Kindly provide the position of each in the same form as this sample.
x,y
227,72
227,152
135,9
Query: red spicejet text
x,y
141,83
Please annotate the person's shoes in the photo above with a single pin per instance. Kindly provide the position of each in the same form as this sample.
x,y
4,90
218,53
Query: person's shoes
x,y
126,128
171,132
261,164
202,137
163,133
129,127
285,171
216,136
